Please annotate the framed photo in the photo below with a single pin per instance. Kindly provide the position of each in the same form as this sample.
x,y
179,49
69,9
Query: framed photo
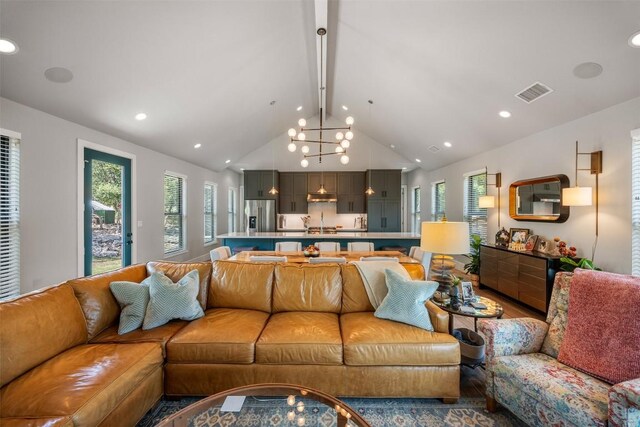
x,y
467,291
543,245
531,242
518,235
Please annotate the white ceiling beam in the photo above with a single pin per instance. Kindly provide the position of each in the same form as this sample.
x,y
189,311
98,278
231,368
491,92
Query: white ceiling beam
x,y
322,12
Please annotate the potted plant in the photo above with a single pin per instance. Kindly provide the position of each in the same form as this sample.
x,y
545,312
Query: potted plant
x,y
569,264
472,268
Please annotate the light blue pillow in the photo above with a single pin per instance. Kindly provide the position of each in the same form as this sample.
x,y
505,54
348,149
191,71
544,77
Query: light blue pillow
x,y
168,300
133,299
405,300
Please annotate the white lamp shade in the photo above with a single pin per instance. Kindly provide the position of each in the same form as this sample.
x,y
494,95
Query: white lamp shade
x,y
487,202
577,196
449,238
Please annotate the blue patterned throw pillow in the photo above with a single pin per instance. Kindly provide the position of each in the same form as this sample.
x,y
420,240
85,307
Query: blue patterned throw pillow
x,y
168,300
133,299
405,300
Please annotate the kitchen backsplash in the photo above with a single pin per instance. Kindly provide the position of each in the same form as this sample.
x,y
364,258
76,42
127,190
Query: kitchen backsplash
x,y
331,217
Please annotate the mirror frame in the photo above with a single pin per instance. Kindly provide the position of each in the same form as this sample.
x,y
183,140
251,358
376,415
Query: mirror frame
x,y
564,210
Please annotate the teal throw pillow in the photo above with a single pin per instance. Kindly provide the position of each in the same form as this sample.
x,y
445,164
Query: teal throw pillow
x,y
405,300
133,299
168,300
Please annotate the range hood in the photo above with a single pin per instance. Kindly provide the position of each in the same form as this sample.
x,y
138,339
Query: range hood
x,y
322,197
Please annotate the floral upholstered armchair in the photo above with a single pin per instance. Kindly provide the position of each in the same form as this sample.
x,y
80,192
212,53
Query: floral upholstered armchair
x,y
524,375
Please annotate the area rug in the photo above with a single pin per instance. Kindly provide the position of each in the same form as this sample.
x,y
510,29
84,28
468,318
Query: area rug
x,y
467,412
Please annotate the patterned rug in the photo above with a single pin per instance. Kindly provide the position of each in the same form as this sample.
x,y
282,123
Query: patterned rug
x,y
467,412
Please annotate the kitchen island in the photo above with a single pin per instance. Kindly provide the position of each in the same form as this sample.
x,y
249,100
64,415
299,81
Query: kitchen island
x,y
266,241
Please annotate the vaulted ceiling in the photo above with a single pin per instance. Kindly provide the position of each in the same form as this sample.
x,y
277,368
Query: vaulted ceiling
x,y
206,72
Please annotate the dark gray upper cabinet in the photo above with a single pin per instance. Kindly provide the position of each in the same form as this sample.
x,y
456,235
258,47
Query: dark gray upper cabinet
x,y
350,186
314,179
258,183
293,193
387,183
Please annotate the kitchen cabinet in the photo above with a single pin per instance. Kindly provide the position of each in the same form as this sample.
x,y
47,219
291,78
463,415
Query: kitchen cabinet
x,y
526,277
387,183
383,215
293,193
314,179
350,189
257,184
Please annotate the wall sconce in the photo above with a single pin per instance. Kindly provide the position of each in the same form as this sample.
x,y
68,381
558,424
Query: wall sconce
x,y
582,196
490,201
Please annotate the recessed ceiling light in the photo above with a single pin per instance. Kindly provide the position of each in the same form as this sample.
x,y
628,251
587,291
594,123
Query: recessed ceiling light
x,y
634,40
418,160
8,47
504,114
241,169
58,75
404,168
448,144
392,146
345,108
197,145
299,108
227,161
141,116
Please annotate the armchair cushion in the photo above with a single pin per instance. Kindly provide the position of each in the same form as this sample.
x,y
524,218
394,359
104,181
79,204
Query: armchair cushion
x,y
557,314
624,404
507,337
580,399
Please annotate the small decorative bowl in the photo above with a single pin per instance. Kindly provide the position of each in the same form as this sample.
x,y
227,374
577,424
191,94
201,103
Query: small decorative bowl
x,y
314,254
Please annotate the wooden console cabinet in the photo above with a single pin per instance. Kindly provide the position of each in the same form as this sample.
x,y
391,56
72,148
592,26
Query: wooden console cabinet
x,y
525,276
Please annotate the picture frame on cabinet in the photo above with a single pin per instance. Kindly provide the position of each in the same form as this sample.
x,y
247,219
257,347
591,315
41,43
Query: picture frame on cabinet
x,y
531,242
542,245
518,235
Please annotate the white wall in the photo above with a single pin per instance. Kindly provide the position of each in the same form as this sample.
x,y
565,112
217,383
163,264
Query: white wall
x,y
552,152
49,200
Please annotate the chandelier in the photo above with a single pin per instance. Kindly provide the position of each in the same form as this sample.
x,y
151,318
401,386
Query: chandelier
x,y
344,135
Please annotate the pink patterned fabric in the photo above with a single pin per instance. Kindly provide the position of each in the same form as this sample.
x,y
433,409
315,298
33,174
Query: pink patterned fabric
x,y
602,337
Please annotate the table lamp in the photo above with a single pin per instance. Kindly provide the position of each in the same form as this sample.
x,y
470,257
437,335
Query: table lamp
x,y
444,238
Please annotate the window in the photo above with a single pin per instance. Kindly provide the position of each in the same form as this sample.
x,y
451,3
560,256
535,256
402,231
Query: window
x,y
9,217
438,201
475,186
174,213
231,210
415,210
635,205
210,212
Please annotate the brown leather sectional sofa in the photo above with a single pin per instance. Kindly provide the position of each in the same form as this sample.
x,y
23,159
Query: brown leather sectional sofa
x,y
62,362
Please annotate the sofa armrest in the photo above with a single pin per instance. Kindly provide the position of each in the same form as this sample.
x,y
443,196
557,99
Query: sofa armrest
x,y
507,337
624,404
439,318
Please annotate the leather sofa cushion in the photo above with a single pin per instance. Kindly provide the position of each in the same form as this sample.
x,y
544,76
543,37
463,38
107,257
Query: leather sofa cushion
x,y
354,295
100,307
297,338
37,422
86,382
370,341
160,335
300,287
223,335
241,285
36,327
177,270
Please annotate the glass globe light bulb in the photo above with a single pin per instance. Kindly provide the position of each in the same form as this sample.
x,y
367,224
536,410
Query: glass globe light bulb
x,y
291,147
344,159
339,136
345,143
300,406
339,149
302,122
291,400
349,120
302,136
304,163
291,415
349,135
301,421
291,132
305,149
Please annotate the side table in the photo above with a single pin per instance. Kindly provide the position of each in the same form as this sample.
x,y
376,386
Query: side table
x,y
493,310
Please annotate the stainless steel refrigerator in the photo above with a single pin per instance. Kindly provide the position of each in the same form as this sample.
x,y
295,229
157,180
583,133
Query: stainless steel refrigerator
x,y
260,215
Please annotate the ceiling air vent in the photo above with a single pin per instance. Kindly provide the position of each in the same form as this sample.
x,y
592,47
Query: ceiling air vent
x,y
433,149
533,92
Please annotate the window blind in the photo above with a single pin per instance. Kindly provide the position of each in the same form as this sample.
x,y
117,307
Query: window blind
x,y
415,210
635,208
231,210
210,213
173,213
438,201
475,186
9,217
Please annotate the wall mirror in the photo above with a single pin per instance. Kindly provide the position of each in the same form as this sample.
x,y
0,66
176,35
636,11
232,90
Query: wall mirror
x,y
539,199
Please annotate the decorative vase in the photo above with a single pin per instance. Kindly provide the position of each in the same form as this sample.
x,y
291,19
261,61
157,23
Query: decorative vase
x,y
475,280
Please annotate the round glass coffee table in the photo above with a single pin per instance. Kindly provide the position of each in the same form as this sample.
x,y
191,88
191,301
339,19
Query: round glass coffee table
x,y
289,404
493,310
